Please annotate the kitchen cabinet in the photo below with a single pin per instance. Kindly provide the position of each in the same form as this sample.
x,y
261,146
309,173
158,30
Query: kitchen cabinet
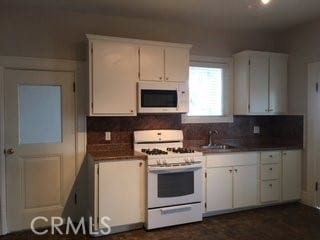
x,y
115,195
232,181
260,83
113,74
270,176
161,63
291,175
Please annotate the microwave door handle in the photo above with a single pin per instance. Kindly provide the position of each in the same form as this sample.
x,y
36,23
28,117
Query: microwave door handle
x,y
173,169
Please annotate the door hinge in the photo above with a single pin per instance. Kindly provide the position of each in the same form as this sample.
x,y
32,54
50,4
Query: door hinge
x,y
91,48
74,86
317,186
205,175
98,170
75,199
139,74
92,105
249,107
317,87
205,205
249,62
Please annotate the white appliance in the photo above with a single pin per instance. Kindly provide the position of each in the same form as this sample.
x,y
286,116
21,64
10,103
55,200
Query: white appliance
x,y
174,184
162,97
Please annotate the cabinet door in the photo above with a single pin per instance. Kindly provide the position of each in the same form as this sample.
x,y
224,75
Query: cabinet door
x,y
114,69
259,78
176,64
151,63
270,191
245,186
278,84
121,197
219,189
291,178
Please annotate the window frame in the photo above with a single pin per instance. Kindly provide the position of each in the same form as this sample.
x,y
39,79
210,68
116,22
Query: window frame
x,y
227,63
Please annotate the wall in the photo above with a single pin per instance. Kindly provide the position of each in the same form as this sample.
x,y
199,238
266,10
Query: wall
x,y
275,131
52,33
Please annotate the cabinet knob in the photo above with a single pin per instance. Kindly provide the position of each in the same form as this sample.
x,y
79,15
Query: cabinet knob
x,y
270,156
131,111
160,78
284,153
140,164
167,78
270,110
230,170
266,110
270,185
236,170
270,169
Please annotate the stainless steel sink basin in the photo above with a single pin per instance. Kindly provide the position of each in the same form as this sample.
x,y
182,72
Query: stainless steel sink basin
x,y
217,147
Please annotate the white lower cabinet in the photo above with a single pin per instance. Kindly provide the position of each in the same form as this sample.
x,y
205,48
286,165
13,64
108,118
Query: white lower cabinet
x,y
219,180
232,181
119,193
270,191
291,175
245,186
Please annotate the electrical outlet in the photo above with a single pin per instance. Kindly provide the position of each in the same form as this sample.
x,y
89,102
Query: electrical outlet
x,y
256,130
107,136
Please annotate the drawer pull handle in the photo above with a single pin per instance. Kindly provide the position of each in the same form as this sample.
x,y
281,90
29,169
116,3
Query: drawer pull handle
x,y
270,156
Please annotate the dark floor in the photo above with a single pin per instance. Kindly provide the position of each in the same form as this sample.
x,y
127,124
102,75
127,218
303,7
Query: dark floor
x,y
292,222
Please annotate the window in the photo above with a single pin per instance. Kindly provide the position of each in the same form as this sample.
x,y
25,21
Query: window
x,y
210,90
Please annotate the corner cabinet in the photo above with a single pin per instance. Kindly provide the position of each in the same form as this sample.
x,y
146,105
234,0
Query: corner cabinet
x,y
113,74
116,196
260,83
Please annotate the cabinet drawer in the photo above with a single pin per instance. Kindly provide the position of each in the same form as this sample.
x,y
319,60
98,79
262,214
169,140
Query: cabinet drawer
x,y
270,191
232,159
270,171
270,157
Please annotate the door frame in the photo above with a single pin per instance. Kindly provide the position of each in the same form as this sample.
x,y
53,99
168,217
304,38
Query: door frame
x,y
42,64
313,166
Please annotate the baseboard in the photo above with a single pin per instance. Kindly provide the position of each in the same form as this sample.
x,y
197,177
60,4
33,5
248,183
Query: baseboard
x,y
307,199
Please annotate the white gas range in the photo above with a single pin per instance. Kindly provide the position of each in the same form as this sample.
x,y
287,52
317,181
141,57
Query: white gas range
x,y
174,185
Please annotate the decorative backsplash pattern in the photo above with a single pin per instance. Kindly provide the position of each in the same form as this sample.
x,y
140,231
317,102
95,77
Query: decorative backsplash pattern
x,y
275,131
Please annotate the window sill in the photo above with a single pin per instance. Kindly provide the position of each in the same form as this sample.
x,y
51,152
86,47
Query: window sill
x,y
185,119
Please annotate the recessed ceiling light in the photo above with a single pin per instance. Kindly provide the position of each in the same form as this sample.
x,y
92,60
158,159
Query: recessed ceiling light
x,y
265,1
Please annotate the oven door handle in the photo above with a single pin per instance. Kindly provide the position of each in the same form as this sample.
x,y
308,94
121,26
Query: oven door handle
x,y
175,209
174,169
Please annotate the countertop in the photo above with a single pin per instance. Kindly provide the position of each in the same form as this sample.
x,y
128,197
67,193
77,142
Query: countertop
x,y
130,154
116,155
245,149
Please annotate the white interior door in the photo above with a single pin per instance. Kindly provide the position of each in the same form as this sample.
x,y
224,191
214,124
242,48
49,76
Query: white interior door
x,y
313,151
40,145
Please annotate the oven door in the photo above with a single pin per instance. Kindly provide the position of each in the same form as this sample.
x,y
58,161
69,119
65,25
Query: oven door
x,y
169,186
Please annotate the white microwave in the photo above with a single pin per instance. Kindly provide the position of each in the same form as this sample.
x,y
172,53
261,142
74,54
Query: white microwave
x,y
163,97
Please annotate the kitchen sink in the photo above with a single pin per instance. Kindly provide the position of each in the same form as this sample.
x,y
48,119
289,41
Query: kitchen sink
x,y
217,146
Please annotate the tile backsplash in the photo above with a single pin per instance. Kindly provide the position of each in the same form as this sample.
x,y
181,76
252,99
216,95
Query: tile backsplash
x,y
275,131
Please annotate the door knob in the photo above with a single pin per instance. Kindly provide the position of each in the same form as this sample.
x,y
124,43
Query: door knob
x,y
9,151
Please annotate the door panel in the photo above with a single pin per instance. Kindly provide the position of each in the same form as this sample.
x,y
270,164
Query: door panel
x,y
245,186
151,63
259,74
176,64
219,189
40,130
278,84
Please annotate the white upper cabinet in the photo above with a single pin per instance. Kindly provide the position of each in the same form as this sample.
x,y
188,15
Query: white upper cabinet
x,y
278,83
117,64
151,63
260,83
176,64
113,76
160,63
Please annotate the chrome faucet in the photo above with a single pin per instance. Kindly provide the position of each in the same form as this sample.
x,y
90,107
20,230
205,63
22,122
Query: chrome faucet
x,y
210,136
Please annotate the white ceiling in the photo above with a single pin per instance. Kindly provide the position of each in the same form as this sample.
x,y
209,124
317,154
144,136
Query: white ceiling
x,y
218,14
